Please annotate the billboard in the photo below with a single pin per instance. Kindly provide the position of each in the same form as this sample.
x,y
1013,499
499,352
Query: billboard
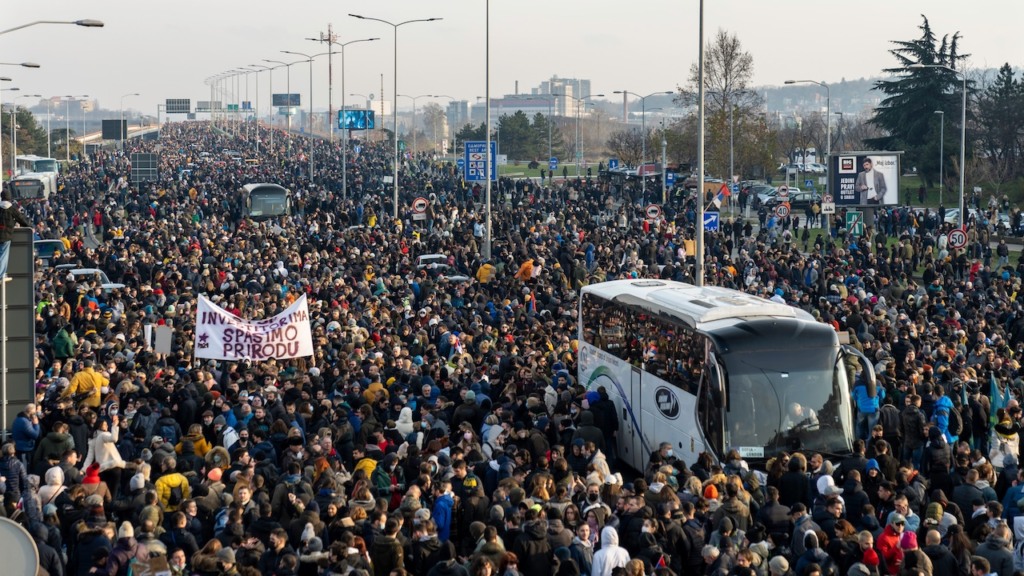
x,y
286,100
355,119
145,167
178,105
115,129
864,178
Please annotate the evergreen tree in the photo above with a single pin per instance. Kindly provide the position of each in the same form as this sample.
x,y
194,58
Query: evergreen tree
x,y
1001,121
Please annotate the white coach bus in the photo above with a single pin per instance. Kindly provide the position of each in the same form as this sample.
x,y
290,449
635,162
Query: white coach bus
x,y
710,369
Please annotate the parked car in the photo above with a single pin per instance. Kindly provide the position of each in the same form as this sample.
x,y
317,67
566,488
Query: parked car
x,y
96,275
797,199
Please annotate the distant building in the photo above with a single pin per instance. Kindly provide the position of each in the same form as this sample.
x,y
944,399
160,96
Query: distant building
x,y
566,89
458,114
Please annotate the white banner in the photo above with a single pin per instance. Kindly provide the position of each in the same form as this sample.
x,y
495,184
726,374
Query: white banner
x,y
220,335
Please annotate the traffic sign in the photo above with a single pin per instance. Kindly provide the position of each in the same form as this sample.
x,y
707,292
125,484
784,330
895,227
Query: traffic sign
x,y
783,192
553,163
855,222
653,211
670,178
419,205
782,210
734,187
476,161
461,164
809,183
957,238
712,221
613,163
828,205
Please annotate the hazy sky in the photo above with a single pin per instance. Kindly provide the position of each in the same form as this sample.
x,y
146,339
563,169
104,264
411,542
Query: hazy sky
x,y
166,49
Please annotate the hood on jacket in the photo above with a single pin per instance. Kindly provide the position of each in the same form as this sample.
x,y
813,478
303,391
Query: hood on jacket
x,y
405,416
537,530
609,537
586,418
55,477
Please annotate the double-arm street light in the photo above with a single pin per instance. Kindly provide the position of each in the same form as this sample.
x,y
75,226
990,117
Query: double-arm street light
x,y
395,26
329,38
963,128
414,99
288,68
309,58
84,23
643,129
578,102
828,111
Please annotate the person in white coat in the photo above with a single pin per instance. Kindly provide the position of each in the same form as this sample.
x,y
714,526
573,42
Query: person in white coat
x,y
611,555
103,451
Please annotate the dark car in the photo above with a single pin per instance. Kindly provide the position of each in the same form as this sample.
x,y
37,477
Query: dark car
x,y
801,199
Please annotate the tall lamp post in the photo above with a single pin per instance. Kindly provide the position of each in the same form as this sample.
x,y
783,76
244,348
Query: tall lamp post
x,y
67,125
395,26
963,128
329,38
14,123
942,152
828,111
414,99
309,58
577,102
121,126
288,117
643,130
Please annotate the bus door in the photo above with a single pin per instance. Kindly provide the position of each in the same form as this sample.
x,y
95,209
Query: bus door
x,y
633,441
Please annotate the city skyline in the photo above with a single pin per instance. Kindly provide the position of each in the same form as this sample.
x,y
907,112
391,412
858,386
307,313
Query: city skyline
x,y
648,49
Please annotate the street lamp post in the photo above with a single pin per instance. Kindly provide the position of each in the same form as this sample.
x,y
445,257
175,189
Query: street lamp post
x,y
414,99
395,26
963,129
309,58
121,126
331,39
576,102
288,117
643,131
942,153
14,116
828,111
12,89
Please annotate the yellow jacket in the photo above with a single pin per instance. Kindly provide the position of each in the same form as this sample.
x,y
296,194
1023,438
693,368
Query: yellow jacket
x,y
486,273
89,381
165,483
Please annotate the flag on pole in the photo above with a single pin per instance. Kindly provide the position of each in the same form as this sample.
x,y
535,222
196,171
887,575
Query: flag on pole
x,y
999,398
723,193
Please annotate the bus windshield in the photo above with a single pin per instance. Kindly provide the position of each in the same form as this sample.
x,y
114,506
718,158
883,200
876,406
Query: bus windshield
x,y
46,165
28,189
268,203
787,401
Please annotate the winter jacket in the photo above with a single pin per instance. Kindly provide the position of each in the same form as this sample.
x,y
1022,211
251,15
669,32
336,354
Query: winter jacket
x,y
386,555
609,557
103,451
442,516
63,345
998,553
87,382
54,486
17,479
24,433
10,217
125,549
533,550
165,483
55,444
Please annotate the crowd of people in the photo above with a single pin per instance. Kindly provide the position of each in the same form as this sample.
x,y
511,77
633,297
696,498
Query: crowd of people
x,y
438,429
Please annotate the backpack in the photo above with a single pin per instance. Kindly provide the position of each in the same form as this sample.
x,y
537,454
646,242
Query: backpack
x,y
956,422
176,497
169,433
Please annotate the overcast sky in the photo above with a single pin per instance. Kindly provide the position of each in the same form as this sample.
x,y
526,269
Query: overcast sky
x,y
166,49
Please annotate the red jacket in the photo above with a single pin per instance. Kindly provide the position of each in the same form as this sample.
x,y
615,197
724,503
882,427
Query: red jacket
x,y
888,546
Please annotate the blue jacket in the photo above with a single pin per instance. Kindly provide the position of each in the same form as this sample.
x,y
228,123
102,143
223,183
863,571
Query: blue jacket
x,y
1013,495
940,416
25,433
865,403
442,515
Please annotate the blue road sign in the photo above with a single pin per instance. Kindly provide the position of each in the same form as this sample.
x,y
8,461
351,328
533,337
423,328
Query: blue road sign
x,y
476,161
809,183
461,163
670,178
553,163
735,187
711,221
613,163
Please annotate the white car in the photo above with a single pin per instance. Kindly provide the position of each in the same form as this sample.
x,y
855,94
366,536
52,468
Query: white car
x,y
96,275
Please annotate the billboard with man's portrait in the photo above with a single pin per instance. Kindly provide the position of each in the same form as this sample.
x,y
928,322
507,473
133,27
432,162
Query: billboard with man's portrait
x,y
865,178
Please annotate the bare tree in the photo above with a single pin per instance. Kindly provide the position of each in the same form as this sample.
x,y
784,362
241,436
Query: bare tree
x,y
433,121
627,145
728,70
